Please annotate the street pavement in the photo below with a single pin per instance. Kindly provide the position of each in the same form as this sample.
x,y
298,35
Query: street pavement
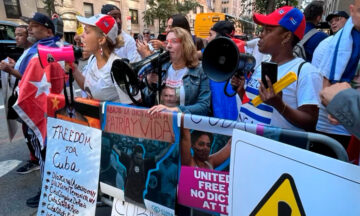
x,y
15,189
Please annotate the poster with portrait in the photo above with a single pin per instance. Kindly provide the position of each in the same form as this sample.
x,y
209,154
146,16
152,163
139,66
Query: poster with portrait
x,y
71,173
205,146
140,157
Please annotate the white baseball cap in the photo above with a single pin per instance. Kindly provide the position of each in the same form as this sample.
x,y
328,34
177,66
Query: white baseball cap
x,y
105,23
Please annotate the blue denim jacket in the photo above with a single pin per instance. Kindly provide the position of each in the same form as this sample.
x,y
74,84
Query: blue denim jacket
x,y
197,92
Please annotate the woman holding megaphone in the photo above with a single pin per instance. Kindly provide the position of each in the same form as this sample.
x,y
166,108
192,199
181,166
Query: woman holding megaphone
x,y
184,79
100,38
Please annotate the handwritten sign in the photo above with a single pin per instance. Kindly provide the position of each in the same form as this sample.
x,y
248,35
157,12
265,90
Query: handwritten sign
x,y
137,122
204,189
71,172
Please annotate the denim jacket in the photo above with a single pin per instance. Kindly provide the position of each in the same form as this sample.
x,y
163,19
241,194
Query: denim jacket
x,y
197,92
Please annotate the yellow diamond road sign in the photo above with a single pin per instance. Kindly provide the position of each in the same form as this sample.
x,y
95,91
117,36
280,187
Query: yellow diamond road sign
x,y
281,200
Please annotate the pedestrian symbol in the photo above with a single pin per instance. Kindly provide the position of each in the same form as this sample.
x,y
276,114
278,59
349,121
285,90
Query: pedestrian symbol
x,y
281,200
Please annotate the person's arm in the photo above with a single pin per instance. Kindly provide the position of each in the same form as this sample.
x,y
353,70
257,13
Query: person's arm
x,y
78,77
202,105
185,144
238,84
219,157
304,117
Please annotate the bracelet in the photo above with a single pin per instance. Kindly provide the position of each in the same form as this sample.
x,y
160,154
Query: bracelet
x,y
283,109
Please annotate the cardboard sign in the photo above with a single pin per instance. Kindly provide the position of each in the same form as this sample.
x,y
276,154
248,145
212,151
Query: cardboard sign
x,y
265,172
71,174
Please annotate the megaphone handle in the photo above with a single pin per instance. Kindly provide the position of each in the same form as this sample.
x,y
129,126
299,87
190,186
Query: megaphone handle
x,y
225,89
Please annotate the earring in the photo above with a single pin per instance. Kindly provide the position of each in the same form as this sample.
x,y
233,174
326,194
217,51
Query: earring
x,y
101,51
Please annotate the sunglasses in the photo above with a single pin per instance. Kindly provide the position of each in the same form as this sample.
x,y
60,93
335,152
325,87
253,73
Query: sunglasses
x,y
172,41
146,33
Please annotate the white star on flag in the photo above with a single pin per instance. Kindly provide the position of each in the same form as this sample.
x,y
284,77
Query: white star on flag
x,y
43,86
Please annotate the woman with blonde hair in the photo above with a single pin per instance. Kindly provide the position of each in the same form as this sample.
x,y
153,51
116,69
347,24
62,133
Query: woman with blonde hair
x,y
184,76
100,38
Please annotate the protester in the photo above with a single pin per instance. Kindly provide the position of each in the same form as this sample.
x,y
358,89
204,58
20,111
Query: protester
x,y
178,20
313,14
343,103
127,51
337,20
218,97
41,30
296,107
100,39
184,75
21,34
340,65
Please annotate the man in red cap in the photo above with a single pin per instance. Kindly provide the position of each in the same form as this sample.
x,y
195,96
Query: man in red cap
x,y
296,107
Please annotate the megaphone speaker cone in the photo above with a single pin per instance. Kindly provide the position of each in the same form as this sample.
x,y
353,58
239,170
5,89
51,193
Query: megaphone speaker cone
x,y
220,59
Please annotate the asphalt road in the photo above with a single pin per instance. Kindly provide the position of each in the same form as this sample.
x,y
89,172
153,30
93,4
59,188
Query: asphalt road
x,y
15,189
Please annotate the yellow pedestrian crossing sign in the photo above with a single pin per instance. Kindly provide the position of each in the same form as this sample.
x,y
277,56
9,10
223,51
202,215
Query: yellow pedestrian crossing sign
x,y
281,200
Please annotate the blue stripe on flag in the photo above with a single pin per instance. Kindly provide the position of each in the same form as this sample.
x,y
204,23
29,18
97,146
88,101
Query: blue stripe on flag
x,y
255,116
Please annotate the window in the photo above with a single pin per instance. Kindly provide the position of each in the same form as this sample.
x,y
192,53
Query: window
x,y
134,16
225,1
201,9
195,10
225,10
12,9
88,9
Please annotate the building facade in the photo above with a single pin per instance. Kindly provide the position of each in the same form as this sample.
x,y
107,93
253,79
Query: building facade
x,y
336,5
131,11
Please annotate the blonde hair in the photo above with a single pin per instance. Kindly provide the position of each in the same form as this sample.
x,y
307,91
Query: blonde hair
x,y
189,52
109,47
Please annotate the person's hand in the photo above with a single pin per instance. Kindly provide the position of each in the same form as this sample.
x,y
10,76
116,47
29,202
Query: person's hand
x,y
237,83
328,93
268,96
159,108
11,62
333,120
157,44
143,48
152,78
7,67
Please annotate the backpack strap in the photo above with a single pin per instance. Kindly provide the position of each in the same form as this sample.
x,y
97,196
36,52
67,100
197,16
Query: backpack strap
x,y
308,35
299,69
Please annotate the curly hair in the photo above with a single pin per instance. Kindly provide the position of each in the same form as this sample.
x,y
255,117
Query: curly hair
x,y
189,53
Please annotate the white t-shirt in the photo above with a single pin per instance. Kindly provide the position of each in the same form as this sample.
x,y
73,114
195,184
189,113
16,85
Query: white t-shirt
x,y
129,50
174,80
99,84
304,91
323,123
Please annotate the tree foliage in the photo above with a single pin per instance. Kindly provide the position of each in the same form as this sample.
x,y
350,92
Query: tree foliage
x,y
49,6
266,6
163,9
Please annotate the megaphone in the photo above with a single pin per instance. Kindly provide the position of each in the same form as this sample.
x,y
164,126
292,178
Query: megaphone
x,y
131,75
222,59
53,54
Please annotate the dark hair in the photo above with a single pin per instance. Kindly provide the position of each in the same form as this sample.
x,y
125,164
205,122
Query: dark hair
x,y
196,134
313,10
23,26
180,20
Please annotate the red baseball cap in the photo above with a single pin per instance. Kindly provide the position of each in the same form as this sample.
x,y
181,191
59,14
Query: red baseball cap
x,y
288,17
105,23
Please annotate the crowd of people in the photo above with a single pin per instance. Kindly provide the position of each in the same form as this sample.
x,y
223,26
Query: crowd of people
x,y
324,99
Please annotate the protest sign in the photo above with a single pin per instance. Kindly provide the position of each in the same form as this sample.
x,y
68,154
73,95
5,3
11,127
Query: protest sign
x,y
271,178
71,171
204,189
205,148
140,157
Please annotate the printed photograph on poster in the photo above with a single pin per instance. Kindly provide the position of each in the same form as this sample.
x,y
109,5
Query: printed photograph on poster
x,y
143,169
71,173
203,182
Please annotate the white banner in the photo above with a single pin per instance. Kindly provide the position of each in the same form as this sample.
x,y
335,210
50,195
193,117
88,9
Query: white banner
x,y
272,178
71,175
